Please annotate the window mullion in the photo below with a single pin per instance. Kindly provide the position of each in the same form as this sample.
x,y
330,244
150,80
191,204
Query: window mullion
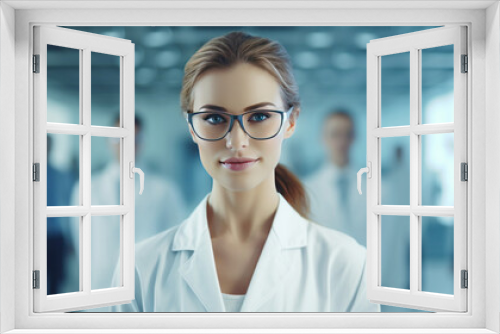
x,y
127,227
426,129
415,93
85,233
375,118
67,129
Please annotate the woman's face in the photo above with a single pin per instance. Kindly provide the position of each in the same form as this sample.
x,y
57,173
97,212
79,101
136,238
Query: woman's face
x,y
238,89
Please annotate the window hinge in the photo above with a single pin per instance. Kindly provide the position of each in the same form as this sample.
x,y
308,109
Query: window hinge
x,y
36,279
464,171
465,64
36,63
465,279
36,172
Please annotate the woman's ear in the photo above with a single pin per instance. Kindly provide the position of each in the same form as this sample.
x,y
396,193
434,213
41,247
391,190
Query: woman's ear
x,y
290,128
193,136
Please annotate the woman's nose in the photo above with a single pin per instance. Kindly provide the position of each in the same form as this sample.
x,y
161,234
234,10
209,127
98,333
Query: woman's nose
x,y
236,138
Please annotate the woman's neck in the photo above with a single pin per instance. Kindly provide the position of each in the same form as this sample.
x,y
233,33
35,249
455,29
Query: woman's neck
x,y
243,215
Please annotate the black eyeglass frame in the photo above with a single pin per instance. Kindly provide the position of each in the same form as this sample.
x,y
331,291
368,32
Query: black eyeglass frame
x,y
285,115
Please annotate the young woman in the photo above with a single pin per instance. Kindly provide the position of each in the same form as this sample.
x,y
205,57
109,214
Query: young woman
x,y
248,246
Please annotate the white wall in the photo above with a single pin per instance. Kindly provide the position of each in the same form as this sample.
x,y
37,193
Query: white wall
x,y
493,159
7,125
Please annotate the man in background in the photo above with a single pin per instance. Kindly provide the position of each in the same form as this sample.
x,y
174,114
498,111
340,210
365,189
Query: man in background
x,y
335,201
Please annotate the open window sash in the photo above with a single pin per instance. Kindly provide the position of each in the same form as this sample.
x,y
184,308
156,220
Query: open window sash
x,y
85,43
414,43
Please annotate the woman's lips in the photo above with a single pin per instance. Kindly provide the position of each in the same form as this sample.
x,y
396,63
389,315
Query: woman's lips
x,y
238,166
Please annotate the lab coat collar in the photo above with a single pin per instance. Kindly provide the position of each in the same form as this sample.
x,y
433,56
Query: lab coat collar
x,y
288,232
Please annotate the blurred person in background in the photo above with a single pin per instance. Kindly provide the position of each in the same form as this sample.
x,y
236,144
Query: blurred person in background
x,y
58,189
395,190
335,201
156,210
160,207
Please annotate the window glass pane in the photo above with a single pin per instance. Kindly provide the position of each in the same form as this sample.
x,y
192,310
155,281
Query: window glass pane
x,y
105,171
105,89
63,170
395,241
437,169
395,89
105,250
63,85
437,254
437,84
63,254
395,170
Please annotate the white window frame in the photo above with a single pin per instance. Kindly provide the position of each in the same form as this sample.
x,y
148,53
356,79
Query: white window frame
x,y
86,44
16,125
413,44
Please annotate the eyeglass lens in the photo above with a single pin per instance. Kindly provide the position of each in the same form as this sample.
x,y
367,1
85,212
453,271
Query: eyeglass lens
x,y
258,124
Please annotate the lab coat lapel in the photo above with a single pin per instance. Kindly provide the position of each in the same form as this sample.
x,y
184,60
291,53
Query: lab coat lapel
x,y
199,270
288,232
200,274
271,269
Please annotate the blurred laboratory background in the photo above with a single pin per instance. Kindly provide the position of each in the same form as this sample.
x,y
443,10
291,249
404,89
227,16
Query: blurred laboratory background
x,y
325,152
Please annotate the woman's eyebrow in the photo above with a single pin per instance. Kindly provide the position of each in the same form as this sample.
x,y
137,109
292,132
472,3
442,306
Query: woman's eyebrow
x,y
218,108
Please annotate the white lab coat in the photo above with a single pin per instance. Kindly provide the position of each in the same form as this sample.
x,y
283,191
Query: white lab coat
x,y
304,267
159,208
326,203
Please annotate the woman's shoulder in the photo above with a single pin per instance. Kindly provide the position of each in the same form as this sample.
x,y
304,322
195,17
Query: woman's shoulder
x,y
333,243
156,245
328,234
343,262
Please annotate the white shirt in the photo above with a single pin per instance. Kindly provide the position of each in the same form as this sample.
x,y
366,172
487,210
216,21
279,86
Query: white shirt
x,y
232,303
341,209
303,267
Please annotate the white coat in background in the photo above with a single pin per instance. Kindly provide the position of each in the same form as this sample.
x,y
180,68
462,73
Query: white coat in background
x,y
326,202
303,267
395,234
159,208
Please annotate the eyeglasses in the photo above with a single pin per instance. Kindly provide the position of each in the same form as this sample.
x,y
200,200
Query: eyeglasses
x,y
258,124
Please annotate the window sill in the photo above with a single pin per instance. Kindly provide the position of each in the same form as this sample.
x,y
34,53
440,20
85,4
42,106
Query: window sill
x,y
263,331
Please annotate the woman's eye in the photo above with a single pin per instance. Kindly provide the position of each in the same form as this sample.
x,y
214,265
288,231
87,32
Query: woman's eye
x,y
214,118
260,116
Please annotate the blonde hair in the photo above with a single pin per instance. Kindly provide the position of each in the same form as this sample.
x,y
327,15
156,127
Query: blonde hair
x,y
239,47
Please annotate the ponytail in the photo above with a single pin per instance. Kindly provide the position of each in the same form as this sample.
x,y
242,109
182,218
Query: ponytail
x,y
290,187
